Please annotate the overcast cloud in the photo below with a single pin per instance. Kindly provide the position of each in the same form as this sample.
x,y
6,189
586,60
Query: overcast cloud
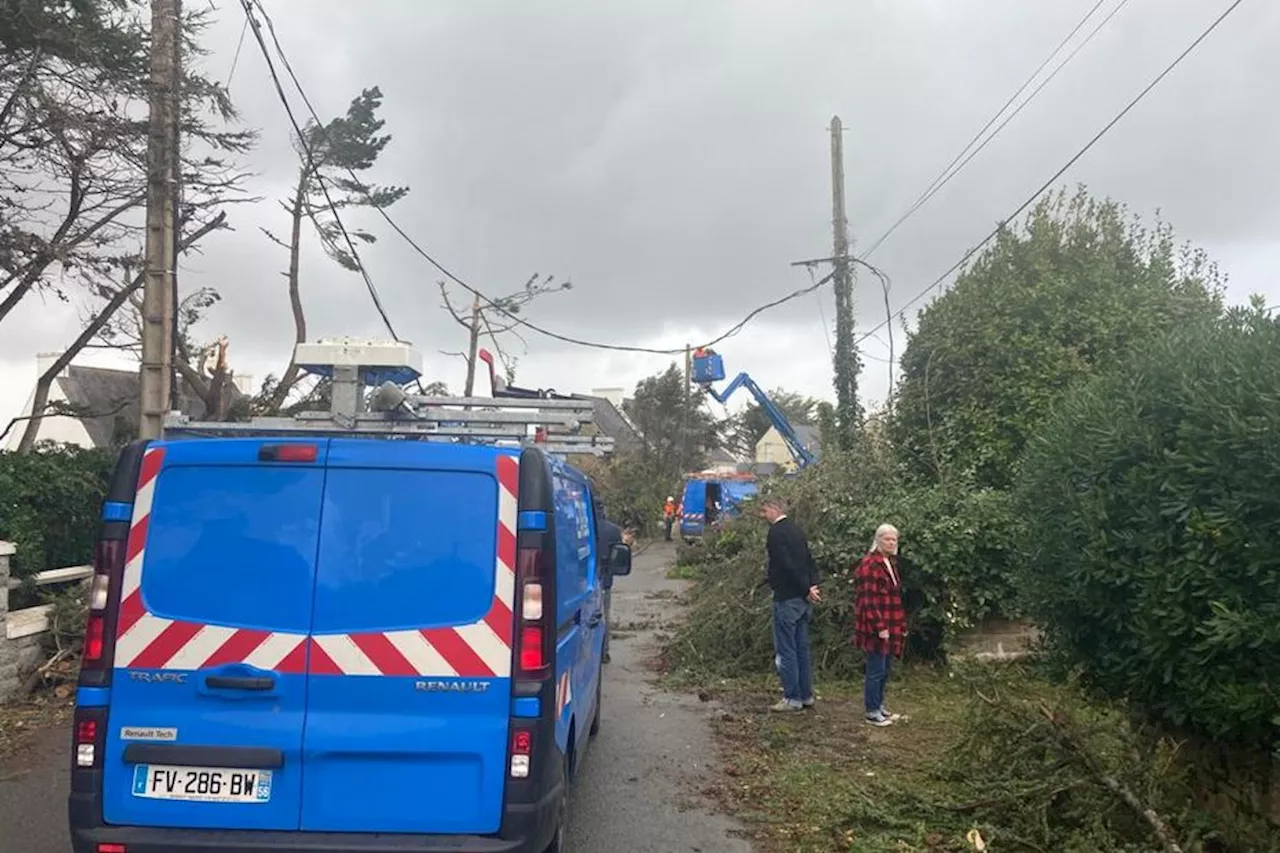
x,y
671,159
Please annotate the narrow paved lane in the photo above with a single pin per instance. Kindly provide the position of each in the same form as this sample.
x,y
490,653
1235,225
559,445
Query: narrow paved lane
x,y
635,791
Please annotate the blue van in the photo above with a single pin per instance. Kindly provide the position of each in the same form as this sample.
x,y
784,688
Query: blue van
x,y
709,498
337,644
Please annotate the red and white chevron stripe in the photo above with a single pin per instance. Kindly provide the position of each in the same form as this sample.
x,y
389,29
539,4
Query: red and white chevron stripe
x,y
479,650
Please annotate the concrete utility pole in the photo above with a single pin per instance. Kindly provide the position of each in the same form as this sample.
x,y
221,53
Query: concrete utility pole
x,y
473,347
688,395
163,167
845,356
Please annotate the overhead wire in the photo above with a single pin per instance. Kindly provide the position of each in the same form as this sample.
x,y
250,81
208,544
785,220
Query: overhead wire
x,y
960,161
235,59
940,280
489,302
256,27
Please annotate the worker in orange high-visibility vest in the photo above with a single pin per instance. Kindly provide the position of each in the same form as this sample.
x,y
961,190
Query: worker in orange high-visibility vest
x,y
669,513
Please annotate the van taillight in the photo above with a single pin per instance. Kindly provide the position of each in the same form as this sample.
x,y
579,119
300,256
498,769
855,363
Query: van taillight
x,y
531,657
95,631
89,724
99,645
521,753
533,634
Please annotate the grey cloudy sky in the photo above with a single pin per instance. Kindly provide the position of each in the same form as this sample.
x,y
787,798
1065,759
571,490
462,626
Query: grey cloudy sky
x,y
671,159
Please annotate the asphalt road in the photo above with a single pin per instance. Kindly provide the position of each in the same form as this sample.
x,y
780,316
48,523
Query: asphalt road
x,y
636,789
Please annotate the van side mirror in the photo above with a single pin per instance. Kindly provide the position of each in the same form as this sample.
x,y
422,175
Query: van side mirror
x,y
620,560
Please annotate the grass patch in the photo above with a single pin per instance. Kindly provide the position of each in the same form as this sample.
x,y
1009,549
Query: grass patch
x,y
684,572
1002,753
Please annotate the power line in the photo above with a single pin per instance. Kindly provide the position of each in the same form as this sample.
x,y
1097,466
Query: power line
x,y
1083,44
952,169
1058,174
314,169
417,247
235,60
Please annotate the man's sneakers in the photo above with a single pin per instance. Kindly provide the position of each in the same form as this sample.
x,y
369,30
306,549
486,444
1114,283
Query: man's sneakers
x,y
883,717
787,705
810,702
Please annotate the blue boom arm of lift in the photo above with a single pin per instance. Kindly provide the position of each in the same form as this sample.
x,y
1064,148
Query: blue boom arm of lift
x,y
798,451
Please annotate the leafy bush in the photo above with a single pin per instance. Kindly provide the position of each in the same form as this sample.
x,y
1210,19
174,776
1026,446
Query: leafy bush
x,y
50,502
958,548
1154,562
1047,304
632,491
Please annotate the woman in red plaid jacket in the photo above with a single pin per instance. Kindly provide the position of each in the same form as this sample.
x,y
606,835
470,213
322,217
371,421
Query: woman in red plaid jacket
x,y
880,623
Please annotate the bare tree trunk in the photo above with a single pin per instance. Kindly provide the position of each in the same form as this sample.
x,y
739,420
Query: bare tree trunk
x,y
290,376
472,348
40,399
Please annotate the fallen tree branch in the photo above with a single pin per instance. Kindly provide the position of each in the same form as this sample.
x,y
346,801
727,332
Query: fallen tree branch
x,y
1069,744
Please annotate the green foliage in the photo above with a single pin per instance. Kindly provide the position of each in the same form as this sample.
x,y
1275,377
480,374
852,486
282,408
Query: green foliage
x,y
749,426
846,365
1041,309
1151,499
677,430
958,549
632,495
50,503
348,143
676,433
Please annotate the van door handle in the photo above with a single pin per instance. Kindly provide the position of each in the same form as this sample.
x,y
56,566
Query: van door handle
x,y
240,682
596,619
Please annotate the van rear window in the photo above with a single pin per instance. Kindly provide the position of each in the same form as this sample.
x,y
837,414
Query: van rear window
x,y
234,546
404,549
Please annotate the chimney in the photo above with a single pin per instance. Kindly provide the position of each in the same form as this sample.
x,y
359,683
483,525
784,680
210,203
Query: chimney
x,y
45,360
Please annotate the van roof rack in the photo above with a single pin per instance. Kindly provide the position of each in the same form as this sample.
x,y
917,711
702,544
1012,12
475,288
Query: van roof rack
x,y
353,367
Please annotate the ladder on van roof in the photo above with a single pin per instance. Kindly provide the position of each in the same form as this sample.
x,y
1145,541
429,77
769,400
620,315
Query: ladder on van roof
x,y
368,398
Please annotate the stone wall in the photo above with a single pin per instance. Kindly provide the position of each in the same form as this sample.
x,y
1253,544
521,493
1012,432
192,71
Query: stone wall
x,y
19,657
996,640
8,655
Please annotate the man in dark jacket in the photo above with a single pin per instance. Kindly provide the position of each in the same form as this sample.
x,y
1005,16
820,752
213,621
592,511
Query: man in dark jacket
x,y
793,576
610,534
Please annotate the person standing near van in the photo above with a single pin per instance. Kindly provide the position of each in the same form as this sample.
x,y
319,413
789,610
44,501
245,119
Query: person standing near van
x,y
880,622
610,535
793,576
669,515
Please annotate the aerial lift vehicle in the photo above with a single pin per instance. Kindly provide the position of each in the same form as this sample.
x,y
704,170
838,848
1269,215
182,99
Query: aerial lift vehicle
x,y
708,498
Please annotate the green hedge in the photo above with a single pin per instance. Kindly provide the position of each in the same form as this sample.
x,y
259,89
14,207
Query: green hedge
x,y
50,502
1152,500
959,546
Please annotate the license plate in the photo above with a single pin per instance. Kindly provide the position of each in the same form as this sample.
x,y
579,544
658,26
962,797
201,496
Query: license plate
x,y
201,784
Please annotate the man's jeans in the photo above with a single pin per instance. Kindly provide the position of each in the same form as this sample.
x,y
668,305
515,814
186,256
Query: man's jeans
x,y
878,666
791,648
608,623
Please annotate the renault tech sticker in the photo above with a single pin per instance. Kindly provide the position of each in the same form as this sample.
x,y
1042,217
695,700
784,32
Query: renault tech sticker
x,y
147,733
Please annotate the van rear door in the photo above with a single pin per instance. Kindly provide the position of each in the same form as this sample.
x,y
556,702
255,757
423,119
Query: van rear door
x,y
208,691
409,687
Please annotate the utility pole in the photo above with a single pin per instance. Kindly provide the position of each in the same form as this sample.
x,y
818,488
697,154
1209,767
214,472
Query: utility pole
x,y
158,297
846,357
473,347
688,392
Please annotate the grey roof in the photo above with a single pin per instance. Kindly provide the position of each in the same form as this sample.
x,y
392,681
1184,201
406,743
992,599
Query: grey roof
x,y
110,400
614,424
720,455
810,436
